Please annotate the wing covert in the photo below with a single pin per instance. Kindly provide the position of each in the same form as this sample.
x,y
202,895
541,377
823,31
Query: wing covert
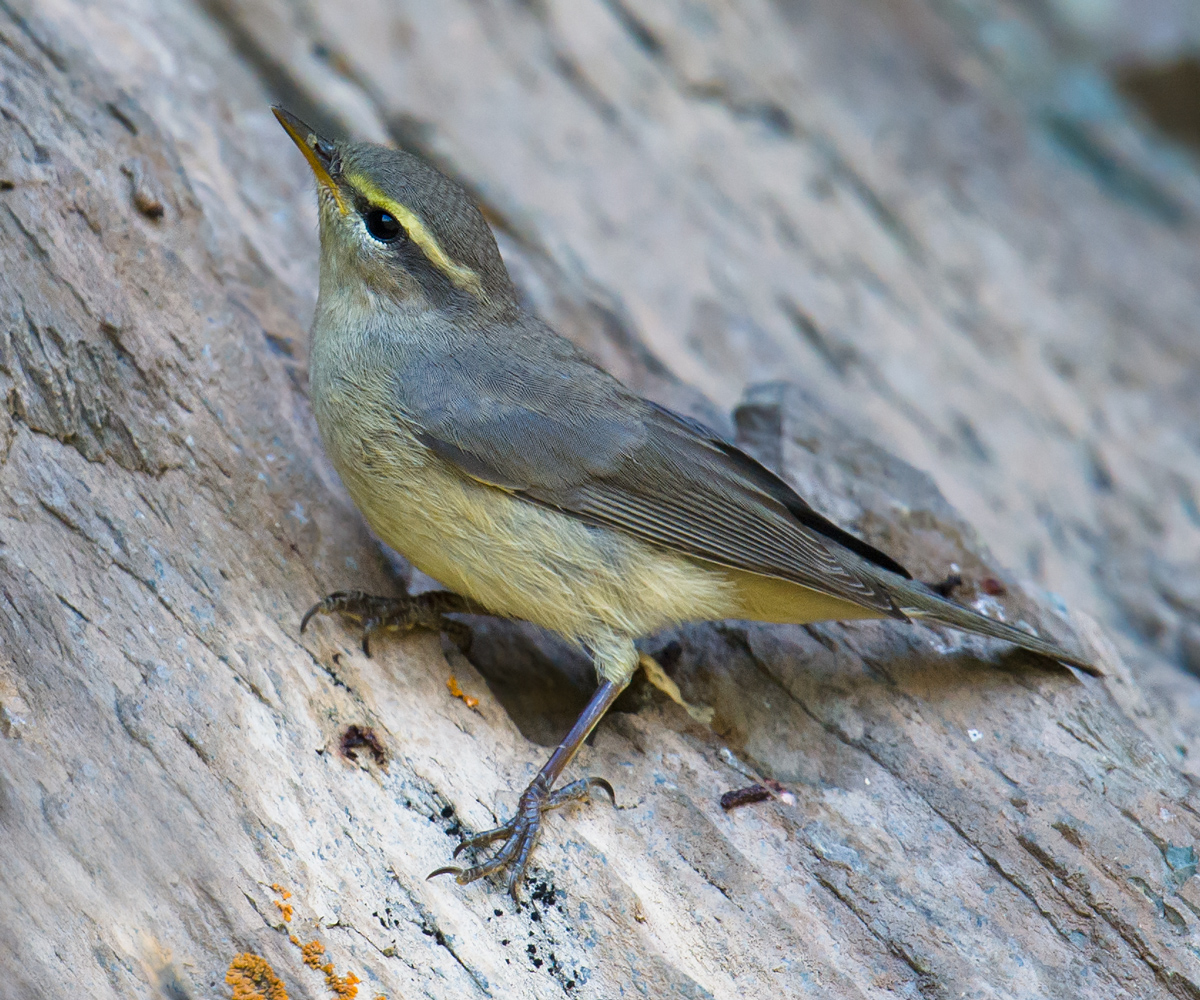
x,y
544,423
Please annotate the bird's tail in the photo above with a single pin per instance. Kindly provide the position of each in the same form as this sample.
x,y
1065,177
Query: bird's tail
x,y
918,602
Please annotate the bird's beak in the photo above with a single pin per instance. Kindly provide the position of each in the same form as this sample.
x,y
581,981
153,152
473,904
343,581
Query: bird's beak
x,y
319,152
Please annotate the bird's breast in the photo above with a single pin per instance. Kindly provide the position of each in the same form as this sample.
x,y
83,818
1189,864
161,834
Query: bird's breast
x,y
512,556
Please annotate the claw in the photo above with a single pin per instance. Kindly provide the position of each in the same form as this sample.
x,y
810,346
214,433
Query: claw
x,y
369,626
316,609
603,783
339,600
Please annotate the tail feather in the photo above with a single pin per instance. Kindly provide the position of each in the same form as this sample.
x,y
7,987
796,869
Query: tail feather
x,y
917,602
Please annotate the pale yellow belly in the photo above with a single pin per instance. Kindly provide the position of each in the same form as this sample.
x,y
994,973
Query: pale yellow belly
x,y
522,560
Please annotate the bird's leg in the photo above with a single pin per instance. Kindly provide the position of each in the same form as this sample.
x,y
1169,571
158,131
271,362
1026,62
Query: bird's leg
x,y
399,614
520,833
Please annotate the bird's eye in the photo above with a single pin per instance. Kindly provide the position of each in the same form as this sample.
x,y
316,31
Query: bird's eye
x,y
382,225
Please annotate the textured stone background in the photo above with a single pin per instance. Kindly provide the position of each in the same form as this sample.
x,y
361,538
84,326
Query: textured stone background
x,y
867,238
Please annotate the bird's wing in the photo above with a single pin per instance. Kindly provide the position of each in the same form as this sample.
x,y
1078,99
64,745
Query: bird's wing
x,y
534,417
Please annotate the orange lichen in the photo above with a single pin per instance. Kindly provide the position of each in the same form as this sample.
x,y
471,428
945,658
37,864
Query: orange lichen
x,y
252,978
342,987
311,953
457,692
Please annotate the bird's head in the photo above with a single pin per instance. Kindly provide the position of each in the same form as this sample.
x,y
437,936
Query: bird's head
x,y
394,229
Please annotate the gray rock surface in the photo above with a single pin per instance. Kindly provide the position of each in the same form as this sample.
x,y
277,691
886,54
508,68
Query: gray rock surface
x,y
866,240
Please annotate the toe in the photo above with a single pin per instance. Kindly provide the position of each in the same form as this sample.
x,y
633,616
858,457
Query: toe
x,y
485,838
501,860
578,791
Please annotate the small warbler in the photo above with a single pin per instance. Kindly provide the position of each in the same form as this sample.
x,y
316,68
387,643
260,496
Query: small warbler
x,y
507,465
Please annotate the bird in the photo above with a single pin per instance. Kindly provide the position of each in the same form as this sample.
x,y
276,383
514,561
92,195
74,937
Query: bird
x,y
503,462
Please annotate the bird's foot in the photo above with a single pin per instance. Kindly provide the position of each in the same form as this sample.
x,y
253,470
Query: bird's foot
x,y
398,614
520,833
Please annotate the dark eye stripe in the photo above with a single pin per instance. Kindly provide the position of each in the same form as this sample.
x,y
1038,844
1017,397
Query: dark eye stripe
x,y
414,234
